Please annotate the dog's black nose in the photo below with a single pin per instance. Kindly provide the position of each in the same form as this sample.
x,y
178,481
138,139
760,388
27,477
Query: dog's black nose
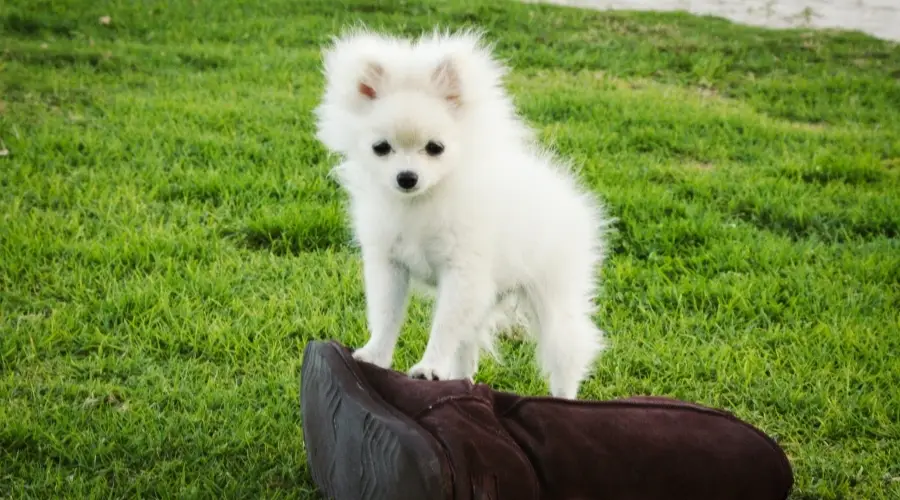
x,y
407,179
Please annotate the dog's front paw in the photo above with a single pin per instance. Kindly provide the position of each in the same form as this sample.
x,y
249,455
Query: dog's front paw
x,y
377,357
426,371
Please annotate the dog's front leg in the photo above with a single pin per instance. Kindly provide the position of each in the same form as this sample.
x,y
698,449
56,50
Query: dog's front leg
x,y
463,300
387,292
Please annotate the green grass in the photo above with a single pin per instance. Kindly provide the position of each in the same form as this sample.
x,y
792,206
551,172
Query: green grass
x,y
169,239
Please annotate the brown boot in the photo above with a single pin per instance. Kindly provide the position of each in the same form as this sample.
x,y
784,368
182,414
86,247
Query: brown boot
x,y
372,433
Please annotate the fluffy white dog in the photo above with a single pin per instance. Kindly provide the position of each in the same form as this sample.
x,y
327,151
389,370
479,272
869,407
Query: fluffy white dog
x,y
449,188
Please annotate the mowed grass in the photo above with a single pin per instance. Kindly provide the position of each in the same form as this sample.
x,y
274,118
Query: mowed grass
x,y
170,240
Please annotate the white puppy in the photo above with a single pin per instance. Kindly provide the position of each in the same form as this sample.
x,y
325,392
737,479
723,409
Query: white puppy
x,y
449,188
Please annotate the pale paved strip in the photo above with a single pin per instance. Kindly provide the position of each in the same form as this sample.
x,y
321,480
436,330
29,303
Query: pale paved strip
x,y
880,18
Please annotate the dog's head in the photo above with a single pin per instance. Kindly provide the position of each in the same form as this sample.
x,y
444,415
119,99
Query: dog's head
x,y
401,109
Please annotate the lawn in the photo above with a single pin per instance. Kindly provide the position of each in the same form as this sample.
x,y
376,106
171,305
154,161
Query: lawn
x,y
170,238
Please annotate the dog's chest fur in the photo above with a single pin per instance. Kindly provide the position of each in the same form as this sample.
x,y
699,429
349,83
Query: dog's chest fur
x,y
424,255
422,248
420,239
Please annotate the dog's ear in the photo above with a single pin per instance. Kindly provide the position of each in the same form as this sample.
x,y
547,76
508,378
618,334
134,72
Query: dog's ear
x,y
371,79
446,79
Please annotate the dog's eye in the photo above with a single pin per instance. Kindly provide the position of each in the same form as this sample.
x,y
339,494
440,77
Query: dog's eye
x,y
434,148
382,148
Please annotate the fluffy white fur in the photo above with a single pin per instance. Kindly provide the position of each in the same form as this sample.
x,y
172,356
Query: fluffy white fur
x,y
494,223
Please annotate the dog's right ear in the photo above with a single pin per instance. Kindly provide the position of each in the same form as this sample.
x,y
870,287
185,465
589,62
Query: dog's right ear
x,y
353,67
370,81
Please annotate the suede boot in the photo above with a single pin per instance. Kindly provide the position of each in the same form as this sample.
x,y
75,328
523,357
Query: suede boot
x,y
372,433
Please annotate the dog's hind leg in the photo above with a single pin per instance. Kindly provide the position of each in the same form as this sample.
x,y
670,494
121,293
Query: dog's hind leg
x,y
567,343
465,364
502,316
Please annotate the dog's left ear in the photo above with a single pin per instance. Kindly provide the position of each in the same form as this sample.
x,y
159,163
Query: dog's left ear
x,y
446,80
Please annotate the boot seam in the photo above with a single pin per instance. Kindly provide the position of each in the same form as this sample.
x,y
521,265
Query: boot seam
x,y
501,432
636,404
447,400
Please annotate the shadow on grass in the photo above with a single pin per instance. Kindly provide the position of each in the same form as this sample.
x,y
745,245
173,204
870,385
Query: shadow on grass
x,y
30,26
308,232
113,63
